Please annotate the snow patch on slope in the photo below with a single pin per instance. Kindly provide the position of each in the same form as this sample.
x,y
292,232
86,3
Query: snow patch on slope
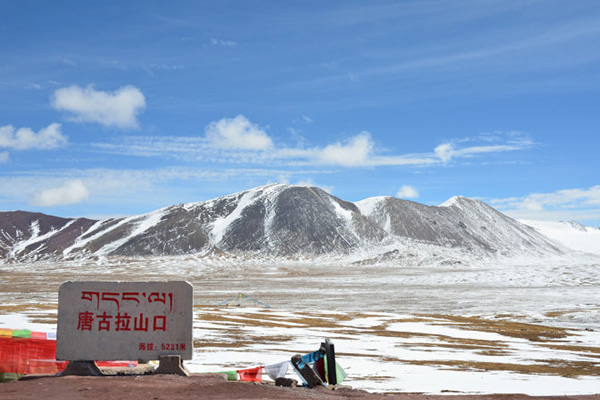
x,y
221,225
142,224
346,216
341,212
36,237
271,193
368,206
79,243
268,194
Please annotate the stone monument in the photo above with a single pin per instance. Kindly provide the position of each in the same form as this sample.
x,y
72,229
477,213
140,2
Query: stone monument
x,y
124,321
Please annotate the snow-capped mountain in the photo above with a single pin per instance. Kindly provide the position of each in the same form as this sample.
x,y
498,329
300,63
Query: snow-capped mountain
x,y
279,220
570,234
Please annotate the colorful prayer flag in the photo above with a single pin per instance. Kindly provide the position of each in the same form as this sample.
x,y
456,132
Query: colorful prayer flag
x,y
231,375
39,335
277,370
251,374
21,333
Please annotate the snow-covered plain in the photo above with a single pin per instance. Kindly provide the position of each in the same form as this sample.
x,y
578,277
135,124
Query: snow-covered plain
x,y
424,321
389,352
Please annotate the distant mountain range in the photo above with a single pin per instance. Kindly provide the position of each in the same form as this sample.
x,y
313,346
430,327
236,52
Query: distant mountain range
x,y
275,220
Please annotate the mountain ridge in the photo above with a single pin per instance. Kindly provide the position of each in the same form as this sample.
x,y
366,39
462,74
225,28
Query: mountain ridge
x,y
275,219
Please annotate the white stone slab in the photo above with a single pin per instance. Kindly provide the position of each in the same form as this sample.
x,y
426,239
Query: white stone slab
x,y
124,320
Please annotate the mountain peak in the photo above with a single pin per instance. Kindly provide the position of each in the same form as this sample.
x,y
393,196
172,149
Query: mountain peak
x,y
274,219
455,201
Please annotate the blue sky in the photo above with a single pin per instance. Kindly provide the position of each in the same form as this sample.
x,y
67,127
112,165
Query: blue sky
x,y
121,107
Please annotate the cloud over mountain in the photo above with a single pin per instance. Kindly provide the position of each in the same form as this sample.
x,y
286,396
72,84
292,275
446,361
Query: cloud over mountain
x,y
237,133
72,192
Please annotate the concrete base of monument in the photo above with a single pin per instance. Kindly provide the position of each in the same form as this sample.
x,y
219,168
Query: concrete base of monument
x,y
90,368
82,368
171,365
142,369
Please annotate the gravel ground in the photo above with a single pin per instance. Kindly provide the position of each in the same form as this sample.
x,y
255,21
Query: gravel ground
x,y
171,387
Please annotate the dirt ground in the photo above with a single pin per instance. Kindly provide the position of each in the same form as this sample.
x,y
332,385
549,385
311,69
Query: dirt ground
x,y
199,386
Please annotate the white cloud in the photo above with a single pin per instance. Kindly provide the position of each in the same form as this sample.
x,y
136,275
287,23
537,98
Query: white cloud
x,y
407,192
119,108
419,160
238,134
221,42
307,120
308,182
242,142
4,157
72,192
355,152
150,69
65,61
562,205
25,138
447,151
530,204
359,151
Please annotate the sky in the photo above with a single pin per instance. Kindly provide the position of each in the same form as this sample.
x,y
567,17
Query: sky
x,y
114,108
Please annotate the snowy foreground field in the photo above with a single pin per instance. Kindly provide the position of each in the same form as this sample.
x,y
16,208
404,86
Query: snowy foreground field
x,y
417,325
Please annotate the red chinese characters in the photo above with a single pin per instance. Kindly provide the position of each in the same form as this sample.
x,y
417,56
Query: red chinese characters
x,y
85,321
103,322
